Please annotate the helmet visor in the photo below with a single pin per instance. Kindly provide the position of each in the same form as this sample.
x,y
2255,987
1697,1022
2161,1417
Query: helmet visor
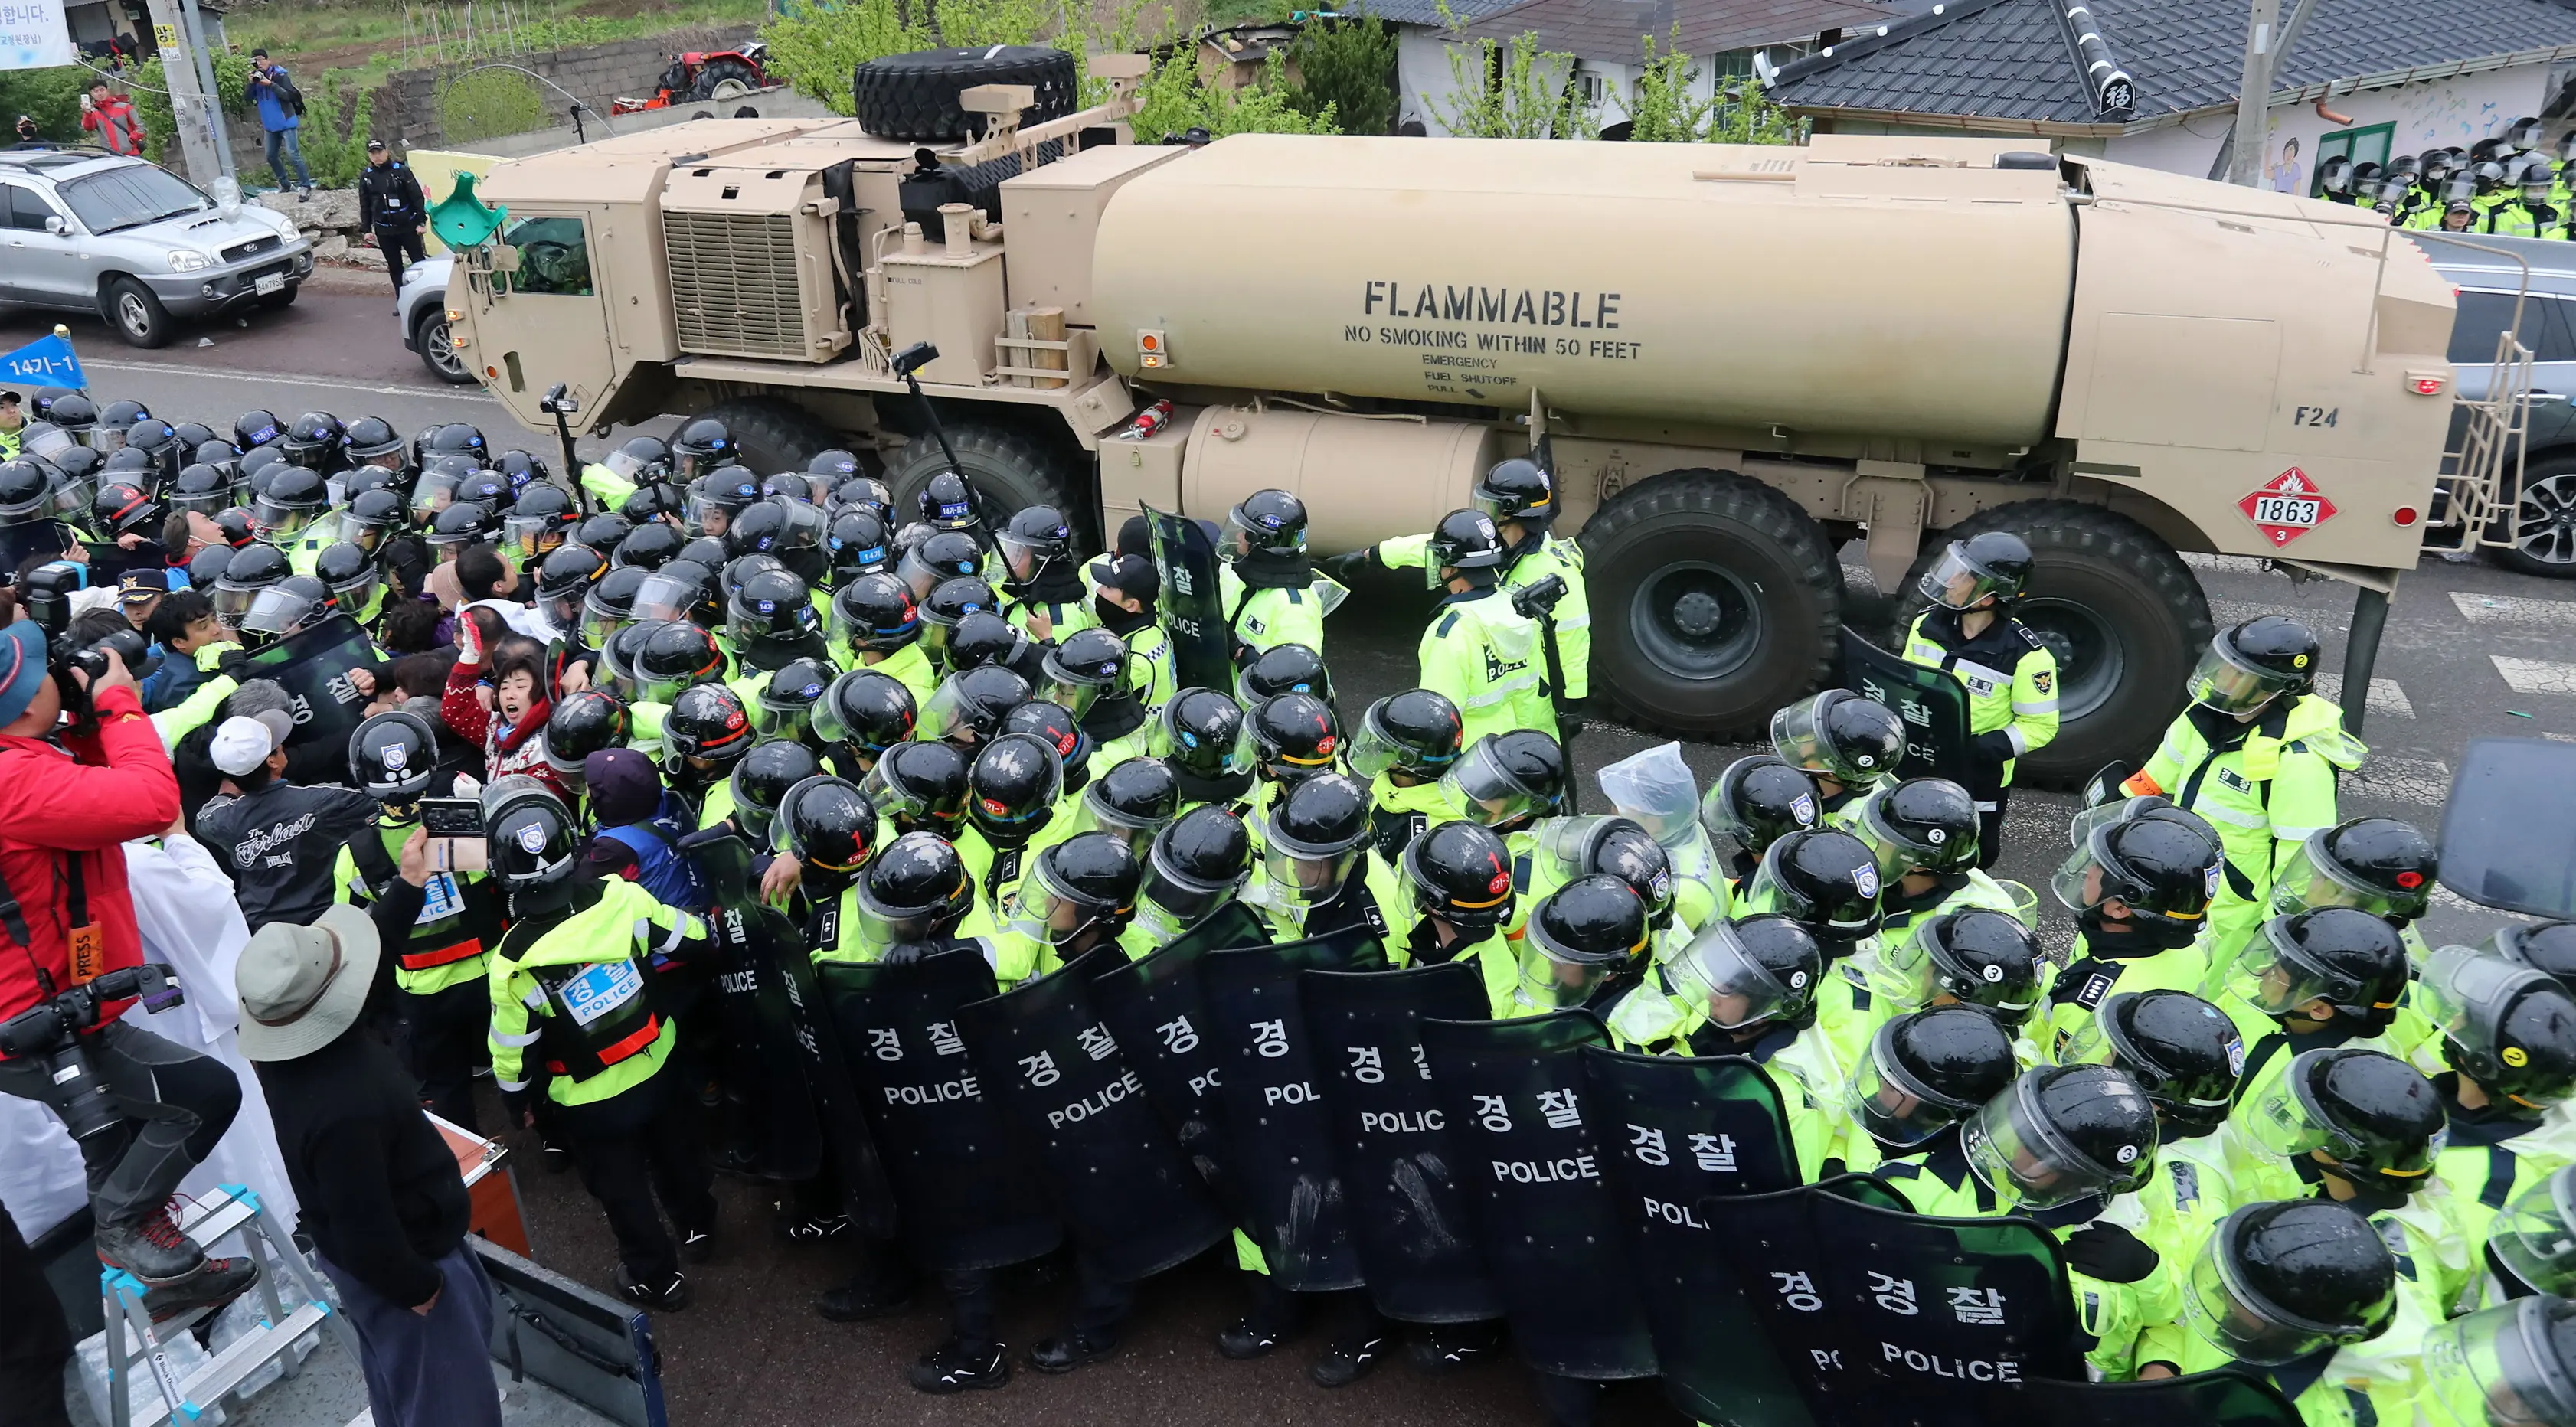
x,y
203,502
947,713
1487,792
2500,1367
232,603
705,514
1310,878
1552,978
533,536
1099,816
600,620
2013,1148
1719,975
2278,977
1074,696
358,594
924,576
565,611
1186,898
1241,539
1953,583
433,492
1042,909
2099,1041
775,717
278,611
73,496
1894,854
2248,1327
1891,1104
902,802
1798,735
665,597
2535,1236
2309,879
2467,994
2224,684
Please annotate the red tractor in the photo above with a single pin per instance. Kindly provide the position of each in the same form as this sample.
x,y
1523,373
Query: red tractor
x,y
714,75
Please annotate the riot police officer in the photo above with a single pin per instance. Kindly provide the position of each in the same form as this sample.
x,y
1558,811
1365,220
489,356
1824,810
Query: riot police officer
x,y
1316,876
1509,782
2505,1366
1827,879
1086,673
2336,976
1404,744
875,618
1194,866
1205,738
2185,1054
920,787
1458,877
1132,802
1920,1076
862,714
1011,816
2381,865
1756,801
1926,836
1077,894
1971,634
1480,652
2508,1034
968,708
569,1006
1850,745
2257,753
1043,589
1271,593
2278,1289
2139,881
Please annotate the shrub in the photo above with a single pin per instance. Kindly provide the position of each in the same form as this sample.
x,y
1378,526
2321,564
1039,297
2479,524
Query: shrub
x,y
1347,67
1173,101
488,103
1514,91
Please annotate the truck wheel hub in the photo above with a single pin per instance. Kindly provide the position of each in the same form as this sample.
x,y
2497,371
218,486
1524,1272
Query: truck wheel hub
x,y
1698,613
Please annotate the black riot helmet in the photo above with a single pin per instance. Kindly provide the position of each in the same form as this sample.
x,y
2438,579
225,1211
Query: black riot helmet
x,y
219,453
680,590
2250,664
761,779
875,614
1193,867
608,605
253,568
251,429
677,655
1991,566
1979,957
791,530
1517,488
75,413
541,519
857,545
649,546
2381,865
734,572
1928,1070
967,709
949,602
1012,787
1320,818
351,575
829,827
706,732
833,465
235,525
947,502
641,460
2510,1028
289,503
1133,801
458,438
393,756
789,485
715,498
1283,669
865,493
2159,862
1619,847
2184,1052
1090,880
583,723
785,704
1464,544
531,840
983,638
1082,668
1920,825
314,441
564,581
1294,736
1749,972
1461,873
2543,946
867,711
158,440
370,438
119,416
916,889
2377,1120
2342,956
657,504
1266,522
1508,779
204,489
1757,800
1838,734
371,516
1416,733
920,785
772,619
521,469
2278,1281
26,491
701,446
1033,541
2063,1133
464,523
124,508
1053,723
1586,933
1203,734
939,557
707,552
1823,877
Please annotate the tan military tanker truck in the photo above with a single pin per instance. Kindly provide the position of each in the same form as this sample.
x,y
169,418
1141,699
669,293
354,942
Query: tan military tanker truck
x,y
1740,359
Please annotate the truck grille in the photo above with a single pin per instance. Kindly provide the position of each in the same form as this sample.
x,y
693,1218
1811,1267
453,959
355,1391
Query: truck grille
x,y
734,284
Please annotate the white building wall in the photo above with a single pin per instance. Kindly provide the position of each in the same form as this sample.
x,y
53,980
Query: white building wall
x,y
2457,111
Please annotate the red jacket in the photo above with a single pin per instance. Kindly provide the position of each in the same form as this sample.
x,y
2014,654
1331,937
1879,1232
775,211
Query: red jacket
x,y
121,787
121,128
507,749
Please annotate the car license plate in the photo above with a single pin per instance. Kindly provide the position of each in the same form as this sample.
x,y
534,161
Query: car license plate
x,y
274,282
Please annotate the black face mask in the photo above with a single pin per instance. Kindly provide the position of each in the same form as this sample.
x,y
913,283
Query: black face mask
x,y
2141,937
1117,617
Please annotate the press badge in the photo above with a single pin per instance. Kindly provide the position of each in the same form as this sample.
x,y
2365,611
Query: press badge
x,y
88,944
601,989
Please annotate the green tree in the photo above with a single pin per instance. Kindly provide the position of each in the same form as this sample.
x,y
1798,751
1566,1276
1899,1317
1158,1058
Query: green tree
x,y
1746,115
1514,91
1172,100
1663,110
1347,66
50,96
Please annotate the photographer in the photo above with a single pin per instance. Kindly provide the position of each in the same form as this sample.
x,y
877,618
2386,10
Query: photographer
x,y
67,922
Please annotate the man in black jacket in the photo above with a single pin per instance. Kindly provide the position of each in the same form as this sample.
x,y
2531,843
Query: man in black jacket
x,y
382,1197
277,840
392,207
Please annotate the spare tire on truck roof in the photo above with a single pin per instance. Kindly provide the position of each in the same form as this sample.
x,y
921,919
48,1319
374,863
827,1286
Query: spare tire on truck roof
x,y
915,96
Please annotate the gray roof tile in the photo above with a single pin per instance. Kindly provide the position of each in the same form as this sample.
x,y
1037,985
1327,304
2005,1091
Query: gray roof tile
x,y
1613,31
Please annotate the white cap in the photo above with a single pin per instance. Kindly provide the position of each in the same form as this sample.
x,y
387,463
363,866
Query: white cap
x,y
243,743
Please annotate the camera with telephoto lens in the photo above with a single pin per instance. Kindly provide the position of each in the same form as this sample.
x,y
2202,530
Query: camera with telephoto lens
x,y
50,1031
46,594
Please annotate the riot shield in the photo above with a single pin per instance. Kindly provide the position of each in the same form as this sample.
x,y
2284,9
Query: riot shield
x,y
2509,831
1129,1194
1933,704
1526,1136
2225,1398
1189,607
774,1120
969,1197
1409,1221
1684,1130
313,666
1274,1108
1878,1315
1152,1006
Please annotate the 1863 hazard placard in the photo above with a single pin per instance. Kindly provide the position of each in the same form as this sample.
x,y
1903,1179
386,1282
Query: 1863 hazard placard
x,y
2286,507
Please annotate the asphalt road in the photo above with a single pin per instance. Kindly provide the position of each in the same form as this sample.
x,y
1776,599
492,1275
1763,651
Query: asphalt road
x,y
2470,650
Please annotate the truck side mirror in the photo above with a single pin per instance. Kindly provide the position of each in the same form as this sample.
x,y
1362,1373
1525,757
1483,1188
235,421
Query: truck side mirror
x,y
913,358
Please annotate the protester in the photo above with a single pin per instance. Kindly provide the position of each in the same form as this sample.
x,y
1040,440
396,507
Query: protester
x,y
278,839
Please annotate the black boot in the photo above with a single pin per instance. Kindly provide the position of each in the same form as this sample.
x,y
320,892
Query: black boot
x,y
870,1295
1348,1359
670,1296
151,1248
1071,1349
218,1283
956,1366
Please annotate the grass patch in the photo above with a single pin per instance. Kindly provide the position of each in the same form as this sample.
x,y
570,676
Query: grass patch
x,y
365,40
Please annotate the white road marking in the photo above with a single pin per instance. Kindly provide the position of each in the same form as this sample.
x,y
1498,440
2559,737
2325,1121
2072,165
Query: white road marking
x,y
2512,609
2385,695
2231,564
2403,780
173,369
2536,676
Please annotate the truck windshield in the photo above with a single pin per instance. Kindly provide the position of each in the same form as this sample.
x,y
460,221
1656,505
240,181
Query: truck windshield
x,y
130,197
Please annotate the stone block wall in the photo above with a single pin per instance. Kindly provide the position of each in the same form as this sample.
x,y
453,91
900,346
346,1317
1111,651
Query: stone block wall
x,y
408,109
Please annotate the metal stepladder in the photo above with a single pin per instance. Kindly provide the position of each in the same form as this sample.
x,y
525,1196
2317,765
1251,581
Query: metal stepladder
x,y
208,1222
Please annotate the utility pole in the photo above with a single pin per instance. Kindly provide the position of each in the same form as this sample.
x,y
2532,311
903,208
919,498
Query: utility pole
x,y
191,112
2254,95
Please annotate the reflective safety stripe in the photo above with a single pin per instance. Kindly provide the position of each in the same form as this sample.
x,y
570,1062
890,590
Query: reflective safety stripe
x,y
2035,706
530,1038
644,1036
1581,621
1496,693
535,1000
2020,742
1968,669
464,950
2221,812
2294,834
507,1086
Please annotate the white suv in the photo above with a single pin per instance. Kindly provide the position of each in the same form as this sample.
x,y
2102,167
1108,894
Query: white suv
x,y
82,230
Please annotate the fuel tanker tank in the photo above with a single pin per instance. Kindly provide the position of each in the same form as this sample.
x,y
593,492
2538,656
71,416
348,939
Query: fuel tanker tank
x,y
1823,290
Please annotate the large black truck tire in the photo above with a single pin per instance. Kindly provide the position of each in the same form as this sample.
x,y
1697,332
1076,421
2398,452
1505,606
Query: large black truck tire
x,y
915,96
